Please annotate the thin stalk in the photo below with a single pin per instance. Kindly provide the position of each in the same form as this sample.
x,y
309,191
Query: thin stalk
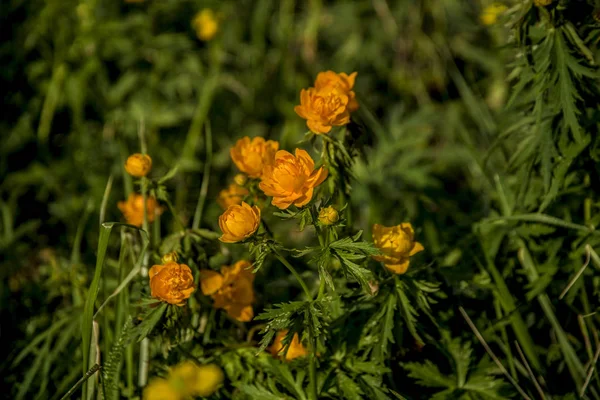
x,y
145,344
530,372
295,273
312,370
80,382
205,179
504,334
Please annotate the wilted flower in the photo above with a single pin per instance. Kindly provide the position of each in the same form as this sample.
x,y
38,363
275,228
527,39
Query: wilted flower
x,y
328,215
397,244
295,350
291,179
342,81
231,289
206,24
160,389
133,209
234,194
171,282
239,222
138,165
324,108
490,14
251,156
192,379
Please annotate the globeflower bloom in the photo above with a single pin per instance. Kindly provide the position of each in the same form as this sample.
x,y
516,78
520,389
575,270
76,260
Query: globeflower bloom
x,y
191,379
160,389
342,81
205,24
239,222
233,195
171,282
397,243
490,14
295,350
291,179
252,155
324,108
138,165
133,209
231,289
328,215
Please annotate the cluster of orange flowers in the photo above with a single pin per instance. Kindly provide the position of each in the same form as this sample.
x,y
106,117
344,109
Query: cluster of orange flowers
x,y
231,289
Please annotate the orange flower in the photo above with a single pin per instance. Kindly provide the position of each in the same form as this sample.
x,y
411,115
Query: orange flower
x,y
239,222
231,289
295,350
133,209
324,108
291,179
397,243
234,194
342,81
138,165
171,282
251,156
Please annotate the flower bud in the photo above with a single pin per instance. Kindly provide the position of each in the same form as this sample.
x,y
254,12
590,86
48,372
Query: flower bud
x,y
239,222
328,215
240,179
170,258
138,165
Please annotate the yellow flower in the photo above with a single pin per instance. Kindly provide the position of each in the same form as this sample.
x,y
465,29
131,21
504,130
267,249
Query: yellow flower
x,y
239,222
192,379
234,194
342,81
133,209
240,179
138,165
490,14
397,243
251,156
160,389
171,282
542,3
291,179
169,257
295,350
324,108
206,24
231,289
328,215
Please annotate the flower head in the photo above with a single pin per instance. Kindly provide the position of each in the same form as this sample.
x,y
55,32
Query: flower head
x,y
295,350
397,243
133,209
490,14
233,195
206,24
239,222
324,108
342,81
240,179
138,165
252,155
328,215
291,179
160,389
171,282
191,379
231,289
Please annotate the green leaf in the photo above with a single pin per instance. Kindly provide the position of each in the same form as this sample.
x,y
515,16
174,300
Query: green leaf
x,y
428,374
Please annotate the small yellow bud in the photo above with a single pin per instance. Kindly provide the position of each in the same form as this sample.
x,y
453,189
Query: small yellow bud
x,y
542,3
240,179
171,257
138,165
328,216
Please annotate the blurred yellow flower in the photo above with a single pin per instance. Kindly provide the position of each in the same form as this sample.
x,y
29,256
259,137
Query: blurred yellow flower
x,y
239,222
542,3
171,282
291,179
397,244
328,215
295,350
234,194
252,155
240,179
133,209
192,379
490,14
138,165
206,24
324,108
342,81
231,289
160,389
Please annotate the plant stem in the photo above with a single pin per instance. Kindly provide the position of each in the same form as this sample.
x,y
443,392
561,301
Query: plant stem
x,y
205,179
295,273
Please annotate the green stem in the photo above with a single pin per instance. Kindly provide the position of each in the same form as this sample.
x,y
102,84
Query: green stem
x,y
205,179
321,289
295,273
312,371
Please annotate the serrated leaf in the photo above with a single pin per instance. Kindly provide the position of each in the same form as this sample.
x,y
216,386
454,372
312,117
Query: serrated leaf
x,y
428,374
